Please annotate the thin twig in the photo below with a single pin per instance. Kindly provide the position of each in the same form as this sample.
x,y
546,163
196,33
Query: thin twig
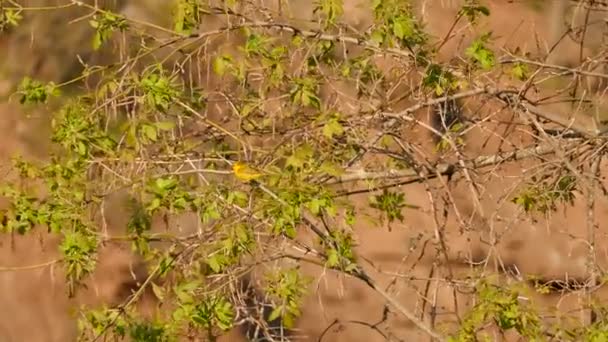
x,y
591,227
447,169
574,71
29,267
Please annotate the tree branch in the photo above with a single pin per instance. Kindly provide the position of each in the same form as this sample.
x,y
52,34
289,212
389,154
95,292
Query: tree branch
x,y
446,169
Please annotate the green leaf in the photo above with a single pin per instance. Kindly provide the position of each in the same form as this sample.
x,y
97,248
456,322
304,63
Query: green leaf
x,y
214,263
520,71
378,37
184,291
331,168
159,292
150,132
332,258
480,53
301,156
333,128
275,314
165,125
97,41
154,204
316,205
81,148
221,64
403,27
210,212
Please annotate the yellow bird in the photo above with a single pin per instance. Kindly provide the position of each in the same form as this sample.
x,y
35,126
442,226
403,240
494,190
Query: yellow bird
x,y
245,172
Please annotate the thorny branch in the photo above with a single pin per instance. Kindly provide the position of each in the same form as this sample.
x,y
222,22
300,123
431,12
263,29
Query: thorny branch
x,y
391,119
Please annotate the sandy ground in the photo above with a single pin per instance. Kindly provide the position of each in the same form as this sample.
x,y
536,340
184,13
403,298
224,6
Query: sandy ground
x,y
404,258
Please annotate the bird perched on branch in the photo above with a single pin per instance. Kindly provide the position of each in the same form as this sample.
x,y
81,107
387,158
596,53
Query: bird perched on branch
x,y
245,172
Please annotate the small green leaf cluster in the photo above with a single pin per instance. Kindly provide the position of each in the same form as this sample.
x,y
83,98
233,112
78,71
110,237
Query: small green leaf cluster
x,y
202,311
9,18
33,91
187,15
80,133
287,214
480,53
79,255
111,321
159,90
238,241
445,144
399,26
543,195
286,289
389,203
105,24
502,307
339,250
330,9
440,80
472,10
